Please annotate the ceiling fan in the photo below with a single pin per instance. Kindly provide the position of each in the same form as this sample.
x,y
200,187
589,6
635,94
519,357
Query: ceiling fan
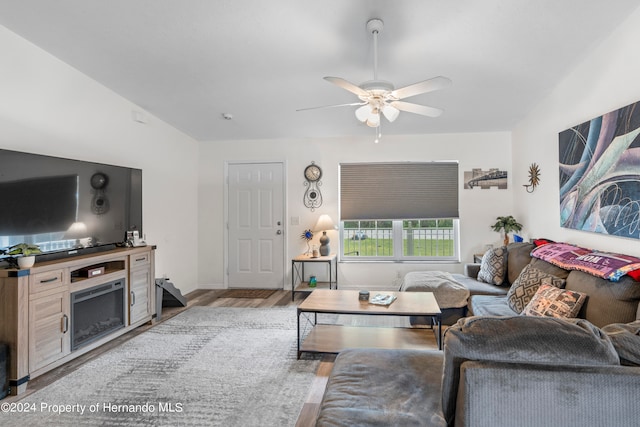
x,y
379,96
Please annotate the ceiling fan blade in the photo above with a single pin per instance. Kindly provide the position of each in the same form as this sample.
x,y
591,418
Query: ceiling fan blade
x,y
347,86
416,109
332,106
425,86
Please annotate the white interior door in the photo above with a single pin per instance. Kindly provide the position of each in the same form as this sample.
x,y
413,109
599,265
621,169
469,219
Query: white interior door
x,y
256,225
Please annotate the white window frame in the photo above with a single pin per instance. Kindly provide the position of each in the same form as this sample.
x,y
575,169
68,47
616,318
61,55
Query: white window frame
x,y
398,255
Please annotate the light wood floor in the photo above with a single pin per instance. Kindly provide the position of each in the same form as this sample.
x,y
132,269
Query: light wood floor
x,y
209,298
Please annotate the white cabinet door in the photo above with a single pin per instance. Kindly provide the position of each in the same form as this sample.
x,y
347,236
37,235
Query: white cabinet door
x,y
139,301
49,329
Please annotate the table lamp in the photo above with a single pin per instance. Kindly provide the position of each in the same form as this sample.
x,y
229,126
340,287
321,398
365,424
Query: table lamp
x,y
324,223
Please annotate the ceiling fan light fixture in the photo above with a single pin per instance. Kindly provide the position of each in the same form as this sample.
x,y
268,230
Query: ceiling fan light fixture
x,y
363,113
391,113
373,120
381,97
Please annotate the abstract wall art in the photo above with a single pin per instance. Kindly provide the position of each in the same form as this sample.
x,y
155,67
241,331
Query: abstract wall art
x,y
600,174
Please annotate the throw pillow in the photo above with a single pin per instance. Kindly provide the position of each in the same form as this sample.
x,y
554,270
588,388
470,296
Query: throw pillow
x,y
493,266
554,302
540,242
526,286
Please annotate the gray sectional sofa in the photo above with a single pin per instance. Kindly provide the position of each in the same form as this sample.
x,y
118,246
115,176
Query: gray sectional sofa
x,y
499,368
608,302
518,257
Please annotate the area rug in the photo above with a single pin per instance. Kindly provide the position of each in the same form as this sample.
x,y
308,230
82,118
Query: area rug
x,y
208,366
247,293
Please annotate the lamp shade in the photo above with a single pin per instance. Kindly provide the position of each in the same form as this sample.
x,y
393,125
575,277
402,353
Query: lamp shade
x,y
324,223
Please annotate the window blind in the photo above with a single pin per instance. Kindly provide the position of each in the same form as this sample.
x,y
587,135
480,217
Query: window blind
x,y
398,190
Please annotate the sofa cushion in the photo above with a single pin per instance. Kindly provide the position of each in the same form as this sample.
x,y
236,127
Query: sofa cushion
x,y
549,268
374,387
471,270
608,302
493,266
520,339
527,284
494,394
480,288
490,305
518,256
554,302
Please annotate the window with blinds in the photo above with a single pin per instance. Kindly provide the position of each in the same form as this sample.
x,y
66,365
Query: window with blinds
x,y
399,211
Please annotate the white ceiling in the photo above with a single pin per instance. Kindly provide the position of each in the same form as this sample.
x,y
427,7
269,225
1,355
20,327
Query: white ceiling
x,y
190,61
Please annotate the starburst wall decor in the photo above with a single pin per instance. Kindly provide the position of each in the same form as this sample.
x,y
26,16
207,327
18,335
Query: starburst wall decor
x,y
534,178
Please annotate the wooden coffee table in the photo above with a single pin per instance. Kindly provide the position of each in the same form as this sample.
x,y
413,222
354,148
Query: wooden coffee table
x,y
335,338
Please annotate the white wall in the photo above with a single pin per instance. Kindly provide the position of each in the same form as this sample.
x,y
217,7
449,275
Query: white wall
x,y
604,81
47,107
478,208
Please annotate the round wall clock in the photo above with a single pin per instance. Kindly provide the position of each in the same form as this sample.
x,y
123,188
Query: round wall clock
x,y
312,197
99,180
313,172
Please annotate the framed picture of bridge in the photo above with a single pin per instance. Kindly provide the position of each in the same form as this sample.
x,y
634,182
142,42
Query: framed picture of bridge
x,y
478,178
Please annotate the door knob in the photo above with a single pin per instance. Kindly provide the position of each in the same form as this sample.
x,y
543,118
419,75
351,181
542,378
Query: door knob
x,y
279,232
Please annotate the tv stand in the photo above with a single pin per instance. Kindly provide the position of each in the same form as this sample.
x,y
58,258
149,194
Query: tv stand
x,y
36,314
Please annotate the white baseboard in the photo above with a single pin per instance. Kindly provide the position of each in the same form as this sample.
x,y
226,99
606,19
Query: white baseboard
x,y
213,286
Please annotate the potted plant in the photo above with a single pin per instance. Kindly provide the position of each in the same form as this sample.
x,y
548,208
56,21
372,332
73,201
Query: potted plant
x,y
506,224
22,254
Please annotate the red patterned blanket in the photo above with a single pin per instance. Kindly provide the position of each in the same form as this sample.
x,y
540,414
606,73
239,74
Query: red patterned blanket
x,y
600,264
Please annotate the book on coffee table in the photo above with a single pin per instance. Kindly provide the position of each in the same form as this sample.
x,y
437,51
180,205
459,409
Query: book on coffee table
x,y
382,299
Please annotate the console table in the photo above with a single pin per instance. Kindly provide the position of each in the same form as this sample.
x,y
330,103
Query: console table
x,y
298,282
36,306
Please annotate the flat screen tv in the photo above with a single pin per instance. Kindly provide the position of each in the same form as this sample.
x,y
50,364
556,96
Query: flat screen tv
x,y
65,206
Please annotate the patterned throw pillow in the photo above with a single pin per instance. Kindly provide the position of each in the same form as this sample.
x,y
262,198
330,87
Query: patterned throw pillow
x,y
526,286
493,266
551,301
